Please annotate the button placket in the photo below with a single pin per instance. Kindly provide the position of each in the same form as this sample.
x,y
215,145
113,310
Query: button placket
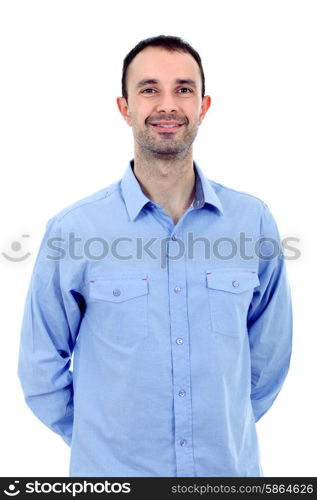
x,y
180,361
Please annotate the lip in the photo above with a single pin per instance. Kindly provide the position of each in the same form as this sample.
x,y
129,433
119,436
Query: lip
x,y
159,126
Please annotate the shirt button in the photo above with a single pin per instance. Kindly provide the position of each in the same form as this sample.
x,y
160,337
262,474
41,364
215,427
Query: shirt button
x,y
177,289
179,341
116,292
183,442
235,283
182,393
174,237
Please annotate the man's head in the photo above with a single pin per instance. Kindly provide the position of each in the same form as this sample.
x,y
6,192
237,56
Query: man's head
x,y
169,43
163,95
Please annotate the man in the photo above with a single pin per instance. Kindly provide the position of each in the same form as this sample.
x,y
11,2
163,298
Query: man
x,y
169,290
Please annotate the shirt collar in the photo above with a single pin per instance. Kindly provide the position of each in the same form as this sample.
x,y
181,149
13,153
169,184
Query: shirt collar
x,y
135,199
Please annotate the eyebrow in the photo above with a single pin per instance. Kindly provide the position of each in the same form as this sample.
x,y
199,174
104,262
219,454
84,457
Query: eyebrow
x,y
153,81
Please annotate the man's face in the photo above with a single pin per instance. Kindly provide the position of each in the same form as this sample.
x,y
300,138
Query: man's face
x,y
165,106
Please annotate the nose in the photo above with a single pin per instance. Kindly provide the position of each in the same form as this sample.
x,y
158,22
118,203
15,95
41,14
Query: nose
x,y
167,103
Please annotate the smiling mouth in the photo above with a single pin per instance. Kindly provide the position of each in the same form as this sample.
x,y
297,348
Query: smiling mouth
x,y
167,127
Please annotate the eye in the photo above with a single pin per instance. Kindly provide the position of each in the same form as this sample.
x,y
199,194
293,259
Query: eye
x,y
185,90
148,91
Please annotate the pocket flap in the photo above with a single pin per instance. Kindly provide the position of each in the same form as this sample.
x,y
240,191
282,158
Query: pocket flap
x,y
234,281
117,290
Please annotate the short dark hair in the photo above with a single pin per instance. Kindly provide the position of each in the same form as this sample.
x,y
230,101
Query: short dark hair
x,y
171,43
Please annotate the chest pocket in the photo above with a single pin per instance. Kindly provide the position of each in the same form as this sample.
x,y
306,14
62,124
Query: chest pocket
x,y
121,308
230,293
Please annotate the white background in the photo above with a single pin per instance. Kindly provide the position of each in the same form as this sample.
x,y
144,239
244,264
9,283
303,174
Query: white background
x,y
62,138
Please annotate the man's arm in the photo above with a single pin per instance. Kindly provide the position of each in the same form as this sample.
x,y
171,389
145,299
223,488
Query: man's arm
x,y
49,328
269,321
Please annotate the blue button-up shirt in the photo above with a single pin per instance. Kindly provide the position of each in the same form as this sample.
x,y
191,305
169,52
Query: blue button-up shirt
x,y
152,348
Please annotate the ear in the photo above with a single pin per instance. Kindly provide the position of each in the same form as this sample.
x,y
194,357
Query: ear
x,y
206,102
124,109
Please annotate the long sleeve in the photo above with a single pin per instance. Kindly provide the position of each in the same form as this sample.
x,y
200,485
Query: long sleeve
x,y
269,320
49,327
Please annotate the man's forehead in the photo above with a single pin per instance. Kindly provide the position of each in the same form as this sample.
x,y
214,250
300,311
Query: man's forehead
x,y
156,59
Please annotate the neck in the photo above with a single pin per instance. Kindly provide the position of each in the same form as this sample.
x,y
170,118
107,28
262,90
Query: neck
x,y
168,181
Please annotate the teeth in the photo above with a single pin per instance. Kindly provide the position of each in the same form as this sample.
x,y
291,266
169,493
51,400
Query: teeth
x,y
167,126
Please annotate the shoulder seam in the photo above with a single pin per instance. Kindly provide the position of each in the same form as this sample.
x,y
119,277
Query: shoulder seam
x,y
106,193
237,191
